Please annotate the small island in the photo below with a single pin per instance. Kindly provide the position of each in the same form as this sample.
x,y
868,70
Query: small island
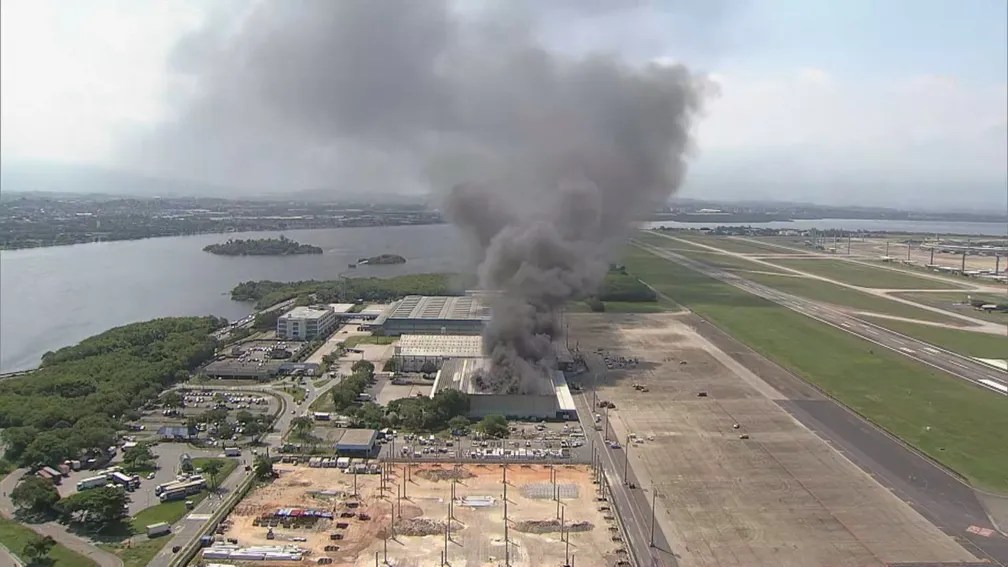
x,y
282,246
383,259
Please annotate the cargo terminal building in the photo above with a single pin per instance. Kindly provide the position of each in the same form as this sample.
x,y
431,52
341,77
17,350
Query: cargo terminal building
x,y
435,315
554,403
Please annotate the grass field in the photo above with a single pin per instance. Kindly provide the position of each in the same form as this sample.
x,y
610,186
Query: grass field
x,y
827,292
138,553
863,275
170,512
14,536
298,393
705,255
896,393
626,306
980,345
227,466
953,301
355,340
736,245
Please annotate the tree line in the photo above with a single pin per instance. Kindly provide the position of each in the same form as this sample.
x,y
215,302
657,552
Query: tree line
x,y
348,290
75,401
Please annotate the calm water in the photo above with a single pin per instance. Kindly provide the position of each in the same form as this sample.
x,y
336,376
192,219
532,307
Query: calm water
x,y
54,297
940,227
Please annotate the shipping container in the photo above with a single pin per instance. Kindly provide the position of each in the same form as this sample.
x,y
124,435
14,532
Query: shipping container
x,y
92,482
160,528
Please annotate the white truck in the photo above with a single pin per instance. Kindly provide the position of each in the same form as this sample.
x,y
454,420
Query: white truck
x,y
232,452
160,528
92,482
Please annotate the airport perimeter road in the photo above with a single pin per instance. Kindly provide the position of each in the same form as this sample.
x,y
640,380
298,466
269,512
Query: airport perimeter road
x,y
962,367
633,505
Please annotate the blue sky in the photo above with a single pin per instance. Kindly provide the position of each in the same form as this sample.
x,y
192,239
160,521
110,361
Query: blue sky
x,y
820,100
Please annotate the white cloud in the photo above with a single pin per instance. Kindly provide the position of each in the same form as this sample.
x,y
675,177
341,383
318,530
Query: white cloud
x,y
75,75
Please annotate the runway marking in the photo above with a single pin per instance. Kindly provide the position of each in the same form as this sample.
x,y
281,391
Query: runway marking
x,y
845,325
931,350
994,384
905,349
984,532
954,363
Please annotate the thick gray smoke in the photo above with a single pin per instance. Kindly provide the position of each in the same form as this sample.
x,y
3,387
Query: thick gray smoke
x,y
545,159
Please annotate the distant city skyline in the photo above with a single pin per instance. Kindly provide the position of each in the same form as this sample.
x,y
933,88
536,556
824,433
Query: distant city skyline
x,y
901,104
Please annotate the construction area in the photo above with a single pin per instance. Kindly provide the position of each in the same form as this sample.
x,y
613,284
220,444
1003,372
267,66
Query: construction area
x,y
740,481
316,515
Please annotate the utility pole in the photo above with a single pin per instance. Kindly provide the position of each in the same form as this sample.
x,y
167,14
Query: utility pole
x,y
932,256
963,269
848,244
654,498
909,243
507,543
887,248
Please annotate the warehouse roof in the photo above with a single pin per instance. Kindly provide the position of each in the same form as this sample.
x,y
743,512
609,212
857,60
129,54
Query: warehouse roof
x,y
341,308
440,307
356,439
450,346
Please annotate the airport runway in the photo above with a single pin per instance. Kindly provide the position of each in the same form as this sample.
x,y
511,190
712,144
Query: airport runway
x,y
977,373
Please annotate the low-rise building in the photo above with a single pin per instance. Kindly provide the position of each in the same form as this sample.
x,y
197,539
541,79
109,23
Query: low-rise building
x,y
551,399
358,443
305,323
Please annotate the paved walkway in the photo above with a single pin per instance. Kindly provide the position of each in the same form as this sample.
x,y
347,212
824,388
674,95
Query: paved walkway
x,y
53,529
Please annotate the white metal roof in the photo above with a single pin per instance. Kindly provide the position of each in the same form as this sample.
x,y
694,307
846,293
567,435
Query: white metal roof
x,y
448,346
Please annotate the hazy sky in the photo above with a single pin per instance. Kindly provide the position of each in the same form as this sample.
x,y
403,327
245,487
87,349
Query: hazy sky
x,y
878,102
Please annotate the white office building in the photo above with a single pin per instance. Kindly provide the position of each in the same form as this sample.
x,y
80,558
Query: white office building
x,y
305,323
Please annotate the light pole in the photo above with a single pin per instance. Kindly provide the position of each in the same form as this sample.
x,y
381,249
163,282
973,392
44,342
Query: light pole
x,y
626,460
654,498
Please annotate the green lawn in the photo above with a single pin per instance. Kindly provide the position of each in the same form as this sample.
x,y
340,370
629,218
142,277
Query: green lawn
x,y
170,512
705,255
732,244
14,536
227,466
954,301
355,340
138,553
898,394
980,345
818,290
863,275
297,392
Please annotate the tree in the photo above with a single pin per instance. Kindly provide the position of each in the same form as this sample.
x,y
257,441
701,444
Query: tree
x,y
458,423
16,440
390,365
363,367
48,448
428,367
211,469
38,548
595,304
370,415
138,457
302,423
95,508
263,468
35,495
172,400
493,426
244,417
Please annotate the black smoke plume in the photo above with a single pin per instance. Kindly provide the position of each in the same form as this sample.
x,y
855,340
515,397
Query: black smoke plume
x,y
544,159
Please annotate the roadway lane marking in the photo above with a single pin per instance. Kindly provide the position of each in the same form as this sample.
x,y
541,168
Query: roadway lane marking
x,y
199,517
905,349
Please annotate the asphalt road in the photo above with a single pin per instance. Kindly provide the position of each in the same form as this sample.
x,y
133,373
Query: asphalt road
x,y
965,368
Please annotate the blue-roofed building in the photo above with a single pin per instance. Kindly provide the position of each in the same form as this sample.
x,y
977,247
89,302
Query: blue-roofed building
x,y
177,433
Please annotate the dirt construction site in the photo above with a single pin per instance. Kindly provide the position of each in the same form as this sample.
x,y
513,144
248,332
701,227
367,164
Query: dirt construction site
x,y
741,482
363,525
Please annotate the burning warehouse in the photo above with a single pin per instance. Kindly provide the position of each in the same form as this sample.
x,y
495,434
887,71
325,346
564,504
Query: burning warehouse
x,y
471,376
